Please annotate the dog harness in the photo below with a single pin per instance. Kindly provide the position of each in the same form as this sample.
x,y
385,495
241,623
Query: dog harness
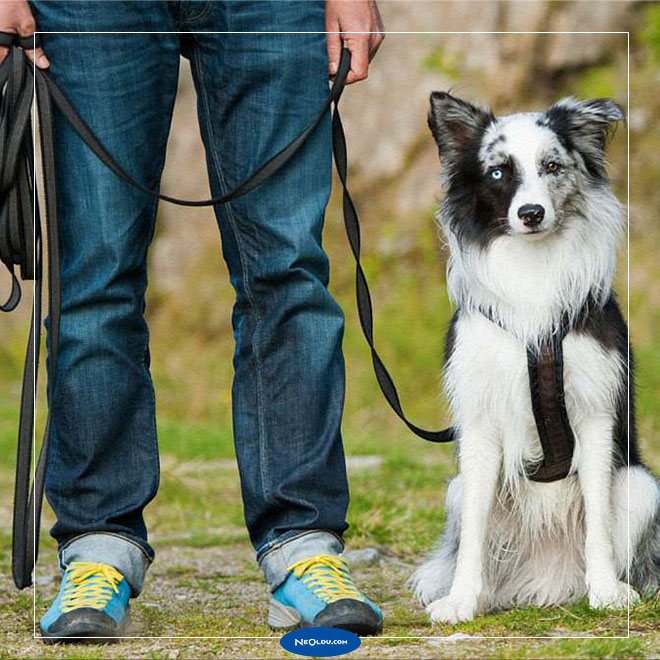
x,y
21,248
546,384
545,366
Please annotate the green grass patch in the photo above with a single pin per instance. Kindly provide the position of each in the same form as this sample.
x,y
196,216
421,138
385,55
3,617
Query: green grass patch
x,y
597,82
193,440
650,33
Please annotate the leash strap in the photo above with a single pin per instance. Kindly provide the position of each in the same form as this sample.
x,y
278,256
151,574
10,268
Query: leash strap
x,y
364,305
29,42
21,246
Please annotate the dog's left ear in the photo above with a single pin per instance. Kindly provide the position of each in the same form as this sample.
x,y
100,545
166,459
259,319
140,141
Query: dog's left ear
x,y
586,126
455,123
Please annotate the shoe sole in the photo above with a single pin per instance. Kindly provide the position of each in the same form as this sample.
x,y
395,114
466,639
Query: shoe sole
x,y
86,632
284,619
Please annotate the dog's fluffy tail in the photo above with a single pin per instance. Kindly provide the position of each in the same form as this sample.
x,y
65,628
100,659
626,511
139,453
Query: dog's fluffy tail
x,y
645,565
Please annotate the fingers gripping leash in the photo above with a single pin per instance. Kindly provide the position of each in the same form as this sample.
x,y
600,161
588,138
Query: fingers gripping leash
x,y
28,42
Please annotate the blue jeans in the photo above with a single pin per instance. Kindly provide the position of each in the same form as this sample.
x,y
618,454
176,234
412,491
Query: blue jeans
x,y
255,92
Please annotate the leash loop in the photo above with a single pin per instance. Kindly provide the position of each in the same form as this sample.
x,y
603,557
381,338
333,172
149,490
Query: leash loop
x,y
27,42
363,295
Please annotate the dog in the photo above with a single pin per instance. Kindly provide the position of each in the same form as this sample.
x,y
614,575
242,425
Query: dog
x,y
532,228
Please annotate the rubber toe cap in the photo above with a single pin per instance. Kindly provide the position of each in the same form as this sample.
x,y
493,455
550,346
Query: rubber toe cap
x,y
83,622
352,615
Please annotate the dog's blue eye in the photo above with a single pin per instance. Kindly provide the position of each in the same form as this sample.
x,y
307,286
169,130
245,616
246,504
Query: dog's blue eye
x,y
497,173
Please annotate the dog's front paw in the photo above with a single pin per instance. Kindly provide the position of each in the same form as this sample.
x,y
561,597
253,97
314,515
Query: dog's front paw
x,y
452,609
615,597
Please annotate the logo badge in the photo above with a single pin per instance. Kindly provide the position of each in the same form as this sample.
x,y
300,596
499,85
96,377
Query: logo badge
x,y
320,642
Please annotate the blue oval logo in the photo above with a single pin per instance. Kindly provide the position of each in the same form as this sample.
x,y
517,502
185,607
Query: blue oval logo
x,y
320,642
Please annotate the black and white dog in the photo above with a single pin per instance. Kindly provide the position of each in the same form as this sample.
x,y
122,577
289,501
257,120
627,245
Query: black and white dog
x,y
532,228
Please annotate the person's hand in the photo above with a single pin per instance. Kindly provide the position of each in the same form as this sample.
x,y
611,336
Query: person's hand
x,y
16,18
355,24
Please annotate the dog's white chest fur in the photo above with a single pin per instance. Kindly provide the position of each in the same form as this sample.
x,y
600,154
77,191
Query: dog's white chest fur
x,y
487,382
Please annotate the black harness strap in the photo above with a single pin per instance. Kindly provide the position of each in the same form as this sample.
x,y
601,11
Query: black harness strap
x,y
546,383
545,366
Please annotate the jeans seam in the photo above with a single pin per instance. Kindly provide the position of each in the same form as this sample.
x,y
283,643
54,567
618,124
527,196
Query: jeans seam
x,y
152,399
233,224
152,390
186,20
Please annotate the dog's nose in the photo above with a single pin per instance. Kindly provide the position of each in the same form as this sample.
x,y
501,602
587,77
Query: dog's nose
x,y
531,214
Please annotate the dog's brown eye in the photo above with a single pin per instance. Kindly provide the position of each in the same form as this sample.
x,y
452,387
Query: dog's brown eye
x,y
552,167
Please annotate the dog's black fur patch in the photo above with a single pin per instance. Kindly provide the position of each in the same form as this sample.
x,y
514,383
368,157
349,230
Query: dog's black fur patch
x,y
584,127
608,327
478,204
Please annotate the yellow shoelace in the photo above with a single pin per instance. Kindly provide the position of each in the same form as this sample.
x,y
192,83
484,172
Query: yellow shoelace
x,y
90,585
328,577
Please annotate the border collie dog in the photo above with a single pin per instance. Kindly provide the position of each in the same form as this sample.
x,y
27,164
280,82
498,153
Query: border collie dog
x,y
532,229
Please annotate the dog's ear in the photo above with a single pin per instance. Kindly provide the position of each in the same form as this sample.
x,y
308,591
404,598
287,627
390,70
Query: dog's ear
x,y
455,123
586,126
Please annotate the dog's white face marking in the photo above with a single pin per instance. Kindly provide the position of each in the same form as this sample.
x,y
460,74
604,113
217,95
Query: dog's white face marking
x,y
524,176
541,171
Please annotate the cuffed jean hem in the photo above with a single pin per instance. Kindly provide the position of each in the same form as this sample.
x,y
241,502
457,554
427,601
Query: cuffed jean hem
x,y
275,561
127,556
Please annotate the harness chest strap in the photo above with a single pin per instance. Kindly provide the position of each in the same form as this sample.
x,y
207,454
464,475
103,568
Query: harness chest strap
x,y
545,367
546,384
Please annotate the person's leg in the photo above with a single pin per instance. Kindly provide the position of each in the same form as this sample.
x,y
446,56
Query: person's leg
x,y
103,459
255,93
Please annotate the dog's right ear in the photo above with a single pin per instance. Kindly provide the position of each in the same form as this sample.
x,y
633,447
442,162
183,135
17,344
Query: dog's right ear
x,y
455,123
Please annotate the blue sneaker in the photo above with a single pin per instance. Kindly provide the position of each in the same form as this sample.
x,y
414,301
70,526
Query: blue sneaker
x,y
320,591
92,604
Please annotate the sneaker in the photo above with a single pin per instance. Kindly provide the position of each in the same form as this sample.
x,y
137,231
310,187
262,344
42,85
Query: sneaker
x,y
320,591
92,603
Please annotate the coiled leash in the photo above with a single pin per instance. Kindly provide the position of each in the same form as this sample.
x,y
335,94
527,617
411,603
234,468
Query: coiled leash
x,y
21,248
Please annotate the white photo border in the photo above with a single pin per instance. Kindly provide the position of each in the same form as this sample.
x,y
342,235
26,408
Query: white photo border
x,y
387,32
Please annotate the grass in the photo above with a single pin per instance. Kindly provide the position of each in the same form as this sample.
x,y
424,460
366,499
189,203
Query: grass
x,y
205,582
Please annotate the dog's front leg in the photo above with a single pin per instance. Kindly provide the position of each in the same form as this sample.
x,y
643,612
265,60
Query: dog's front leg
x,y
595,475
479,464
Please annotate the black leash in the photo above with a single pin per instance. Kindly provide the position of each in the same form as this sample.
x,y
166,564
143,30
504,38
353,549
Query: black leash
x,y
21,247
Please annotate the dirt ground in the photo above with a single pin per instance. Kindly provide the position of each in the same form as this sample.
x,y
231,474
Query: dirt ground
x,y
215,592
